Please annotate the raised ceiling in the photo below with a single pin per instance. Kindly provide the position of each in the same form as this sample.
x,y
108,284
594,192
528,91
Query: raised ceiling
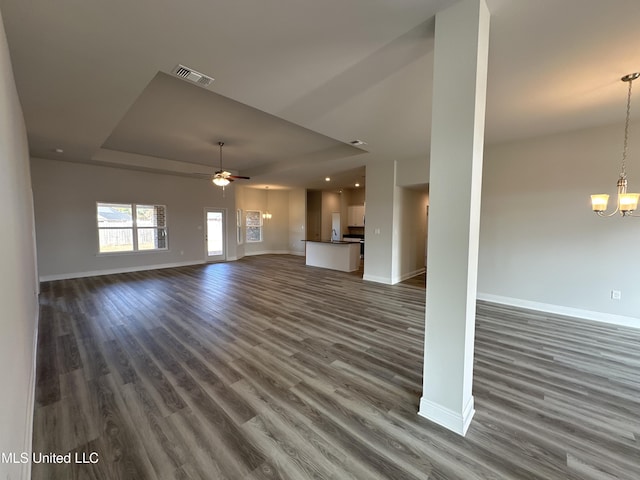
x,y
94,79
179,121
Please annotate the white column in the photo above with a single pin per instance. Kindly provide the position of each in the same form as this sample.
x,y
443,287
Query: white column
x,y
379,213
457,138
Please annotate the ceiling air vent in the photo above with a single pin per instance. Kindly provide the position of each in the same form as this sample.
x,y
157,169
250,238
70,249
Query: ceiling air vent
x,y
193,76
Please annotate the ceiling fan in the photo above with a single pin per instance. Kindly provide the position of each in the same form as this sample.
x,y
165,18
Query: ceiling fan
x,y
222,178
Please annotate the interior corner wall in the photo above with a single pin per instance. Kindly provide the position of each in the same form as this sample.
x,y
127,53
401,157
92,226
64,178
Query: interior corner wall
x,y
65,196
540,244
18,282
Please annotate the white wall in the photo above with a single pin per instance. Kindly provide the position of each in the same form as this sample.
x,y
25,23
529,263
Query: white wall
x,y
412,228
413,171
18,284
540,244
284,232
396,227
356,196
65,196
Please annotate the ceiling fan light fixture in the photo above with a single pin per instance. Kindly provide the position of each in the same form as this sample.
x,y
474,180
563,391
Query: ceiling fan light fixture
x,y
220,181
222,178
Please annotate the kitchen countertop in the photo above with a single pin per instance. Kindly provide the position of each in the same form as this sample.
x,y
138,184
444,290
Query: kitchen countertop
x,y
334,242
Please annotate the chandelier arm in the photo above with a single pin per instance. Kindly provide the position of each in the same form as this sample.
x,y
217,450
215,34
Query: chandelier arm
x,y
602,214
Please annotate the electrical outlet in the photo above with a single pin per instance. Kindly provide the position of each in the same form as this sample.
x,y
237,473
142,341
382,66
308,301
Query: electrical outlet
x,y
616,295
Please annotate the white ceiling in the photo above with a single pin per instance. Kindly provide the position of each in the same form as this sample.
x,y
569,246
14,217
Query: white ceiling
x,y
298,79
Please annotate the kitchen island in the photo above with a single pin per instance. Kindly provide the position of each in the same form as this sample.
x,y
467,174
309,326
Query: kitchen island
x,y
343,256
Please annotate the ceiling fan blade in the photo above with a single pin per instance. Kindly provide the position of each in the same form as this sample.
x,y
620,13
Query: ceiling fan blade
x,y
238,177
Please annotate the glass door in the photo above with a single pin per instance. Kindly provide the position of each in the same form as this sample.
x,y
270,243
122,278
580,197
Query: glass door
x,y
214,235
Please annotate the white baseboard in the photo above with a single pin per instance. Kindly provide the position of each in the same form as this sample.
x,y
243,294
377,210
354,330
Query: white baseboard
x,y
407,276
375,278
95,273
31,400
457,422
273,252
393,280
610,318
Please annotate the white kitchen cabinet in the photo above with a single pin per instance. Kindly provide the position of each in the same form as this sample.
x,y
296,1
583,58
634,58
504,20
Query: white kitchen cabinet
x,y
355,216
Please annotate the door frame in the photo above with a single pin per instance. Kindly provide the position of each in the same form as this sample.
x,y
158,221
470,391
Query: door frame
x,y
215,258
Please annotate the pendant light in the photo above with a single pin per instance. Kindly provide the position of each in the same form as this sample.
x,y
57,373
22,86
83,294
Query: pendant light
x,y
627,202
266,215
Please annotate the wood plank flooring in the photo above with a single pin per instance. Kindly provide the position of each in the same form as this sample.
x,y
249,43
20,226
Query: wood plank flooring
x,y
266,369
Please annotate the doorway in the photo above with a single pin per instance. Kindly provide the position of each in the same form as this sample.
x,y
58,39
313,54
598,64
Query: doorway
x,y
215,246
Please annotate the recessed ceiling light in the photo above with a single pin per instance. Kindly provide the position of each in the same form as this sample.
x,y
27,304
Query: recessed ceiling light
x,y
59,150
327,179
356,143
357,184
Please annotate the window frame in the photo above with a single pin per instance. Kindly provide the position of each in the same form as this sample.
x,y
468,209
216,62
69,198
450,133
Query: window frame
x,y
134,228
253,220
239,226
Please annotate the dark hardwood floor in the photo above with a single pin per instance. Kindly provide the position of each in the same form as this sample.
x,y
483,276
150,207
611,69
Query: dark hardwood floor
x,y
266,369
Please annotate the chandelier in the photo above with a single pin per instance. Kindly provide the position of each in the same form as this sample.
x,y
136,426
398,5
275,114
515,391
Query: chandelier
x,y
627,202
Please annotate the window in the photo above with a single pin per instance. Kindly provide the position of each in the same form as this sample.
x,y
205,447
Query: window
x,y
124,227
254,226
